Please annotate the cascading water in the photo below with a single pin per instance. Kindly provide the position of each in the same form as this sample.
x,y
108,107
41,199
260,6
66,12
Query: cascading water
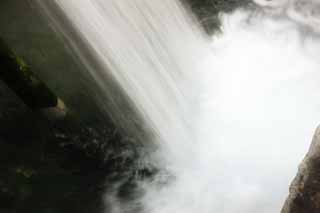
x,y
231,118
152,49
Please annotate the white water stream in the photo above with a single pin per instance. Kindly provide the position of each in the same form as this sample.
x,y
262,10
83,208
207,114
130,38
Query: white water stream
x,y
232,117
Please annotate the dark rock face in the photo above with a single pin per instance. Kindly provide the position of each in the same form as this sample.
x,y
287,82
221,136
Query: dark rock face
x,y
63,166
304,196
29,35
17,74
208,11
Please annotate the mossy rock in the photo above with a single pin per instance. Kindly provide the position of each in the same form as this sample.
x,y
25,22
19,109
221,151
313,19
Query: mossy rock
x,y
15,72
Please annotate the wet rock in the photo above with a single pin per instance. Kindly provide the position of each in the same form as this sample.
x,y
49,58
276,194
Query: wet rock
x,y
304,196
208,11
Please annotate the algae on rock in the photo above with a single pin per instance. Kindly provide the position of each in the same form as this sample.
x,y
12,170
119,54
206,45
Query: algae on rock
x,y
18,76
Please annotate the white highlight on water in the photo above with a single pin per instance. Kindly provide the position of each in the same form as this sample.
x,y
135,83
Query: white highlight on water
x,y
232,118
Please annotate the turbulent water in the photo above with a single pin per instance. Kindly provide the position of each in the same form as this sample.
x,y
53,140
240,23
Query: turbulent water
x,y
151,48
231,117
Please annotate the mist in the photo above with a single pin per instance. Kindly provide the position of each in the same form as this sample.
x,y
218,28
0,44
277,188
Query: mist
x,y
231,115
259,107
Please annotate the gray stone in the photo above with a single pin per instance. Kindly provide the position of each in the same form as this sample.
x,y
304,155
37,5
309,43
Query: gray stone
x,y
304,193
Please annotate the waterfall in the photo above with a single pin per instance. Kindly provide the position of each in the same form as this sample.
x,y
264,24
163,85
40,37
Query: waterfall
x,y
231,117
152,49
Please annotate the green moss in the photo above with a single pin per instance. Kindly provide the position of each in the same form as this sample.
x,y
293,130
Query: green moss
x,y
25,172
21,63
16,73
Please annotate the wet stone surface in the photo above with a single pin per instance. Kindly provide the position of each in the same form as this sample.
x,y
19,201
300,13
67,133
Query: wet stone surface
x,y
304,194
61,167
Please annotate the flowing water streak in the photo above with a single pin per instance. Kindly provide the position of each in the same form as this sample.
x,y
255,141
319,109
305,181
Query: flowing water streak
x,y
153,50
